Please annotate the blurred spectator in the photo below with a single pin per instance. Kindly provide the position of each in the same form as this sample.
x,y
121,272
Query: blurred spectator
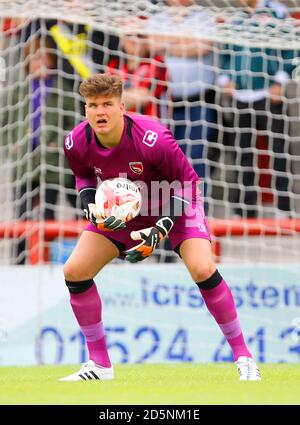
x,y
253,81
190,63
81,50
144,76
37,109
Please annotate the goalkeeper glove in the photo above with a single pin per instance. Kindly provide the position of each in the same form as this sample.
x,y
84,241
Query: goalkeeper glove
x,y
107,224
150,239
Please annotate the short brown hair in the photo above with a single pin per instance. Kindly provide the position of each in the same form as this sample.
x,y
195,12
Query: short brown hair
x,y
101,85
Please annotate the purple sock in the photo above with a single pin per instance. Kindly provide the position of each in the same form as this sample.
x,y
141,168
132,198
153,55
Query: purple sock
x,y
220,304
87,308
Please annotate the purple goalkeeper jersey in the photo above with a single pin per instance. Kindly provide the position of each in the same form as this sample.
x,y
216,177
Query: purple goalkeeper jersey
x,y
147,154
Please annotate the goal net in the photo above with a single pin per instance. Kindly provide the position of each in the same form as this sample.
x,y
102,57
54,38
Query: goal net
x,y
224,78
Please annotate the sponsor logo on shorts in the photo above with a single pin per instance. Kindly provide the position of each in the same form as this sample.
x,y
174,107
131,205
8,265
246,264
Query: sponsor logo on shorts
x,y
136,167
150,138
201,227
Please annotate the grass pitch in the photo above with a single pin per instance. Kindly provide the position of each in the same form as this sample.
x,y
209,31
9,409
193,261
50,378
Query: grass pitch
x,y
175,384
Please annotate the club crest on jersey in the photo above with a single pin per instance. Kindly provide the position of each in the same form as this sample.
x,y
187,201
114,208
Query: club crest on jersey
x,y
69,141
136,167
150,138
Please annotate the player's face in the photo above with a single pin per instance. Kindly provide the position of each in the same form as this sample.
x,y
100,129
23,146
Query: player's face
x,y
104,113
135,45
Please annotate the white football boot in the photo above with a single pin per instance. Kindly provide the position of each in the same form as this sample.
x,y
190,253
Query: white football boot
x,y
247,369
89,371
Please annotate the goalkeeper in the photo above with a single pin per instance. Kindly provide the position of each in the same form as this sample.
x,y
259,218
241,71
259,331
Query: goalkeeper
x,y
111,143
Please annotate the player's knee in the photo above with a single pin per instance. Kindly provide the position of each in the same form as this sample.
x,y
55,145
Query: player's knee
x,y
202,273
74,274
211,282
70,272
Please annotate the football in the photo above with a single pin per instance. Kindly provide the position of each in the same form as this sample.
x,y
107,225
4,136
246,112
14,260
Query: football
x,y
118,197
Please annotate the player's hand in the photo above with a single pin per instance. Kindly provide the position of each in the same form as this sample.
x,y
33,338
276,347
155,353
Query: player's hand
x,y
150,239
107,224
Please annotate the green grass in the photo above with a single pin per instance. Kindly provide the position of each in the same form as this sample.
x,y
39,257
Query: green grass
x,y
195,384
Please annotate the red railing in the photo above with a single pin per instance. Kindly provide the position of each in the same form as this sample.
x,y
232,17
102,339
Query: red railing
x,y
35,231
